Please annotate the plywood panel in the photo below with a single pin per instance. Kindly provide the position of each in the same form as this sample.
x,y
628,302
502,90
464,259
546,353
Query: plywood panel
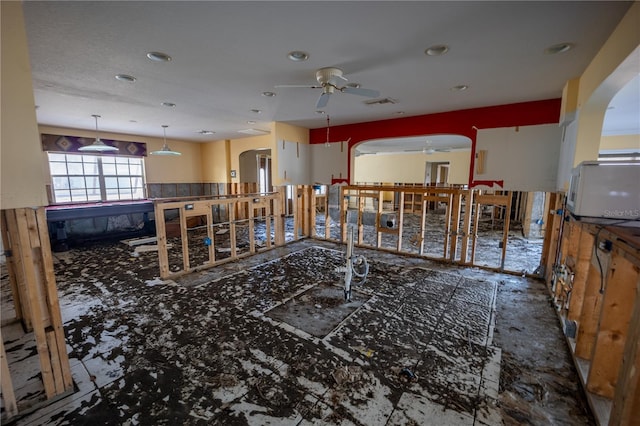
x,y
617,305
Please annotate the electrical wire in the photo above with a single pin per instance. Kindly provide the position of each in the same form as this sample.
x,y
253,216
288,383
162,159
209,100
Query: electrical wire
x,y
596,245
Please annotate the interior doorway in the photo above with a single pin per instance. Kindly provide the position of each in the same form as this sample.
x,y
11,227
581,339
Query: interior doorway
x,y
255,167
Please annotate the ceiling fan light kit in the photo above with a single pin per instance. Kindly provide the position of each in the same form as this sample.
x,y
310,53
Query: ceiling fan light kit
x,y
331,79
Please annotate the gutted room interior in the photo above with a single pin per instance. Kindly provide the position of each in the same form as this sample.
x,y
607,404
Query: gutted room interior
x,y
309,213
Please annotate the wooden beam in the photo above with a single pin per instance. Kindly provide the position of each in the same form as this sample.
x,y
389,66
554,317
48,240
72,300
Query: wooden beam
x,y
58,348
32,293
619,298
161,235
455,223
8,394
10,263
400,221
466,224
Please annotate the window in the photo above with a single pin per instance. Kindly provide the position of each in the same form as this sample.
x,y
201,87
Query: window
x,y
79,178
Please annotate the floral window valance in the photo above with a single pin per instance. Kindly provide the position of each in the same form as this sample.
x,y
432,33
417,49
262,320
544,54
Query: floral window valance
x,y
70,144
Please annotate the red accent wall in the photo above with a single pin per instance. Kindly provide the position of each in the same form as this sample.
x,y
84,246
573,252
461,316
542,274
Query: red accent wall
x,y
454,122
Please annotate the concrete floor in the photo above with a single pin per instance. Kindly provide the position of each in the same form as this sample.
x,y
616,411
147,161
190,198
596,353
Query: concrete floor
x,y
269,340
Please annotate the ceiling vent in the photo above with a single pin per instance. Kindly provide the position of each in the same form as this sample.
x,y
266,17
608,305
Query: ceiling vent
x,y
254,132
381,101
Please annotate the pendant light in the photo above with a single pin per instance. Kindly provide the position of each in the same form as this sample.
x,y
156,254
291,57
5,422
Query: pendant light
x,y
97,145
165,148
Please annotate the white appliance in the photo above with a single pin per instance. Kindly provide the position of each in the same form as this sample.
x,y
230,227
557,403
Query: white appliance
x,y
605,189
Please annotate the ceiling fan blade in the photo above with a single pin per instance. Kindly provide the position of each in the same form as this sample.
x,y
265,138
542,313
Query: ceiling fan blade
x,y
307,86
322,100
370,93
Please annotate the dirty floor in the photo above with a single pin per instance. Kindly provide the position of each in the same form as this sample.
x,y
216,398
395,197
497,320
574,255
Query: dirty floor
x,y
270,340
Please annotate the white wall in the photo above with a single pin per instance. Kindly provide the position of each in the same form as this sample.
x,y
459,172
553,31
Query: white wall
x,y
329,162
294,163
524,157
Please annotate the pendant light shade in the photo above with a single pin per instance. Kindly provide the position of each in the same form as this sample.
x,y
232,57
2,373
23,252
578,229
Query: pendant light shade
x,y
165,148
97,145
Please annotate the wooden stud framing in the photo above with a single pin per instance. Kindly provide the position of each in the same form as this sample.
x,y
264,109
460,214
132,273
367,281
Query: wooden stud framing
x,y
247,203
26,235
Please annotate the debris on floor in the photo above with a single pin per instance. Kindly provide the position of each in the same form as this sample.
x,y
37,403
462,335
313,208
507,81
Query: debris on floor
x,y
233,345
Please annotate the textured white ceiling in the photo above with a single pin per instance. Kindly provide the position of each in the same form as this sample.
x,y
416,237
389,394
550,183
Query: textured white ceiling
x,y
225,54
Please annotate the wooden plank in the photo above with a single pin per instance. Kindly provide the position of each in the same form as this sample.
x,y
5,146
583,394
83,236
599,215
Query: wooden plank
x,y
466,224
494,199
184,237
8,394
617,305
550,241
400,221
361,203
10,263
583,259
344,208
447,224
313,206
455,223
161,235
252,230
32,294
279,206
528,208
232,230
505,230
591,306
626,400
53,304
423,225
56,368
474,236
19,268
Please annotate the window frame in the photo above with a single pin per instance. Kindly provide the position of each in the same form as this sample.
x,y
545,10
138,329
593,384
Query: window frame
x,y
109,169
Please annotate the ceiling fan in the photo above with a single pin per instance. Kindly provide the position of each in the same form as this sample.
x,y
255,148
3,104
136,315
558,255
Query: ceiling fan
x,y
330,80
429,149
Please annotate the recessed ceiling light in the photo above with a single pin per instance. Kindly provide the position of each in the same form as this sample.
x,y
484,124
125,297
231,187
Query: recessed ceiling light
x,y
125,77
251,122
256,111
558,48
436,50
206,132
399,113
298,56
158,57
268,94
354,85
168,104
320,112
460,87
133,121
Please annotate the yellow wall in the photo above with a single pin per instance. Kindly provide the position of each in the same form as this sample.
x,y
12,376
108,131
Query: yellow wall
x,y
186,168
597,86
409,168
214,162
22,176
620,142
